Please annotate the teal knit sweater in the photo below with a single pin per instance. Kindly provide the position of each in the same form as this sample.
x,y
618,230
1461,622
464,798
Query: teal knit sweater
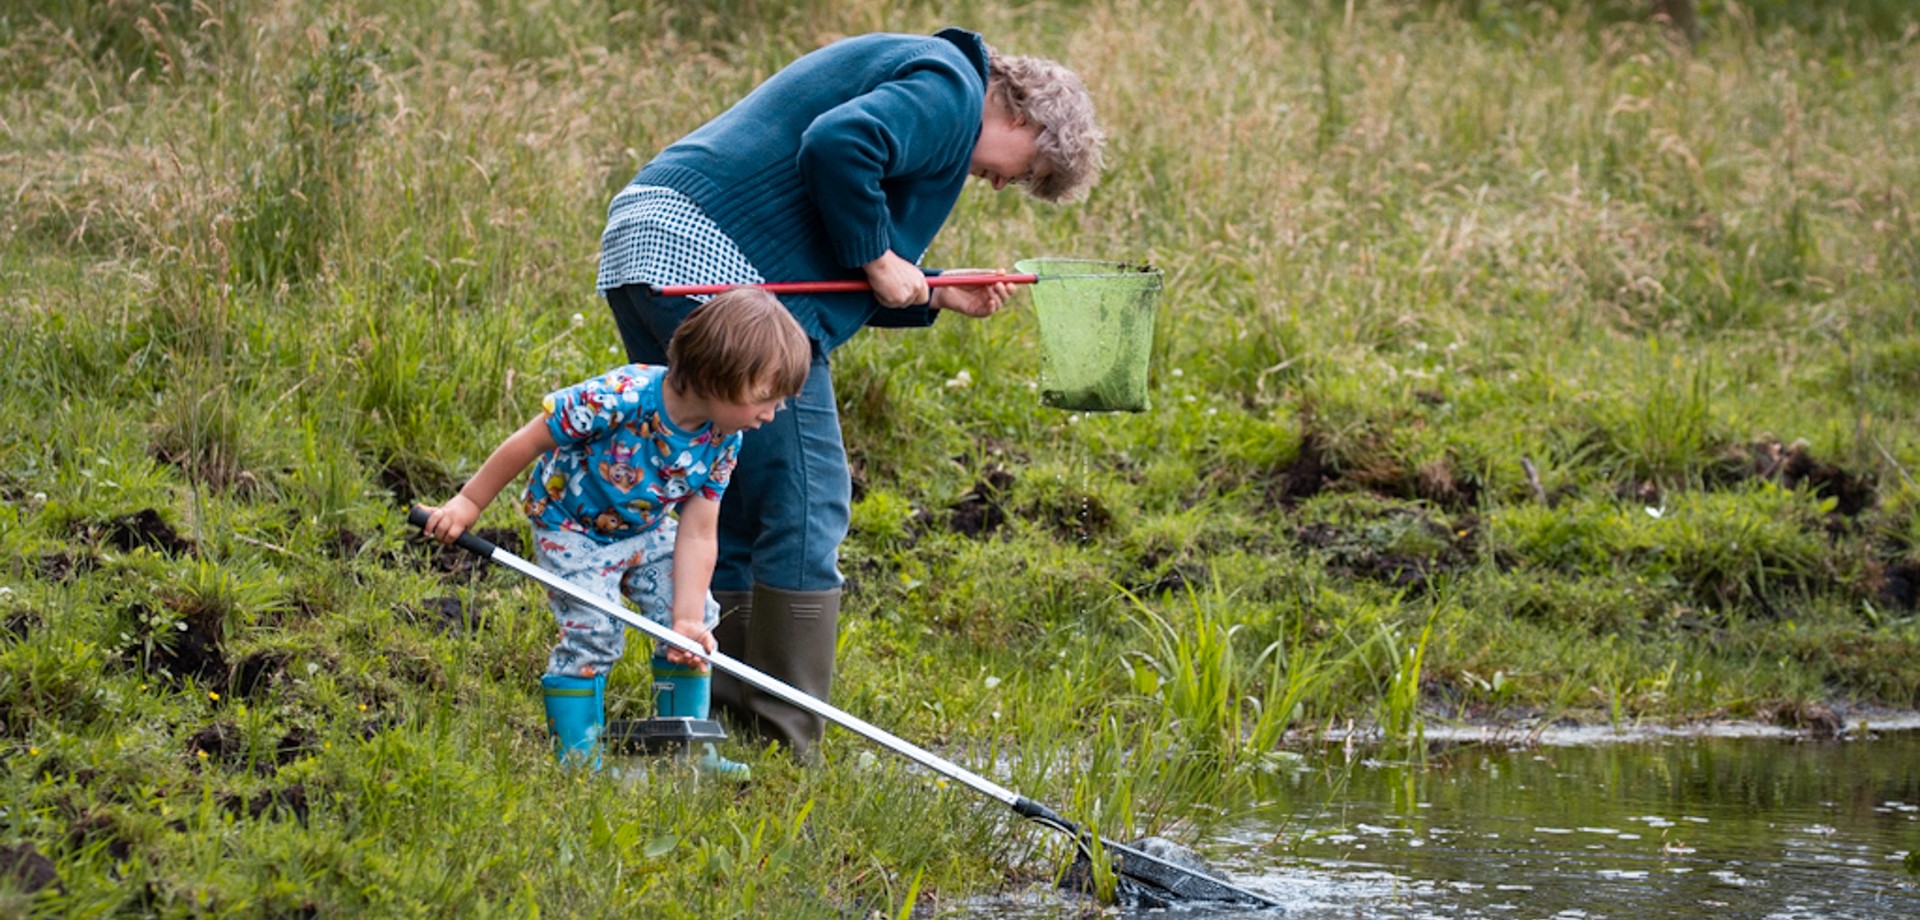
x,y
854,149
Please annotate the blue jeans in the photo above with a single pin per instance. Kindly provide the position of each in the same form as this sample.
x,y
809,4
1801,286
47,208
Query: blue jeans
x,y
787,509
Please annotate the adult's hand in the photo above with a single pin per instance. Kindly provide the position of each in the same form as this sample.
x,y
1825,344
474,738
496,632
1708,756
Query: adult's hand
x,y
978,301
897,282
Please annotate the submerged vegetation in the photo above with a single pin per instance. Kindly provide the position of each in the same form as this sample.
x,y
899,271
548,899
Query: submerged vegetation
x,y
1515,362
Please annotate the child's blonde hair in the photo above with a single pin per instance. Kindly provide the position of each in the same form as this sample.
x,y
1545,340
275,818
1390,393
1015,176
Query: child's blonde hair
x,y
741,346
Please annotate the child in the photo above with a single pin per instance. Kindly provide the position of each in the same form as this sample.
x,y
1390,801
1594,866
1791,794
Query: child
x,y
614,455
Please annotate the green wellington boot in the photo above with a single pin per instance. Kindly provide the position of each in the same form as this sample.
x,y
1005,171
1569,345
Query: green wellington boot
x,y
683,692
576,715
730,635
793,639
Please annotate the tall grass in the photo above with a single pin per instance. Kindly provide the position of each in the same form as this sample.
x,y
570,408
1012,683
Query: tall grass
x,y
1515,361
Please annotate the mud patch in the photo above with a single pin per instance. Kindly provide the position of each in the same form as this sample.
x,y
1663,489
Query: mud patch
x,y
418,669
1440,483
276,804
456,564
295,744
447,614
178,648
1369,466
28,868
982,510
21,624
216,462
1371,550
257,674
344,543
1533,731
1308,475
1815,719
1793,466
371,728
411,479
219,742
1437,482
142,528
1899,586
99,829
62,566
1644,493
1175,579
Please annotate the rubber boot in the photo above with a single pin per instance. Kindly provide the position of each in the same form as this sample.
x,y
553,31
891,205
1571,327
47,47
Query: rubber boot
x,y
730,635
682,692
793,640
576,714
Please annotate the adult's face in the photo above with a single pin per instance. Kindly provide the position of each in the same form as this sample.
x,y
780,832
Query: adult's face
x,y
1008,150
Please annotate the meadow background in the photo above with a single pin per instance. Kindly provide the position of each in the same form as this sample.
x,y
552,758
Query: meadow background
x,y
1517,362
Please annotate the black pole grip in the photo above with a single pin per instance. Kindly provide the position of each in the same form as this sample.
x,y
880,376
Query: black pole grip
x,y
1036,812
479,546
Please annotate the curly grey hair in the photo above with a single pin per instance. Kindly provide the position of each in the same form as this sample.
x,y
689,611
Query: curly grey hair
x,y
1052,97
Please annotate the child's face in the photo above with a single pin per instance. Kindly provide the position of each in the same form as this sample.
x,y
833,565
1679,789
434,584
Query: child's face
x,y
757,410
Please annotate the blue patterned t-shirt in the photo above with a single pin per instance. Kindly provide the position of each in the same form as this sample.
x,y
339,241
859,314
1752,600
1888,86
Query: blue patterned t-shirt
x,y
622,464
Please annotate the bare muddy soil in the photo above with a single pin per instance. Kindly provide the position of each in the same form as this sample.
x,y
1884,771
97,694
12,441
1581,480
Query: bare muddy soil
x,y
1819,722
28,868
1443,502
143,528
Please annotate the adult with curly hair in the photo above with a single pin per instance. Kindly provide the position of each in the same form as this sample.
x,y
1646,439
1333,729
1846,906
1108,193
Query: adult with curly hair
x,y
843,165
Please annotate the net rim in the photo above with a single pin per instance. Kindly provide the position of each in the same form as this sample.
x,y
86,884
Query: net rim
x,y
1115,270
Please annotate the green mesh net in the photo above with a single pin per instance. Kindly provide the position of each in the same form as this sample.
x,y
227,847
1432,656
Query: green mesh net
x,y
1096,332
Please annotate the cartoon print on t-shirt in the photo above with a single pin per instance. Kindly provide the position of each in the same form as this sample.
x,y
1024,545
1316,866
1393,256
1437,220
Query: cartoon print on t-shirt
x,y
620,472
602,479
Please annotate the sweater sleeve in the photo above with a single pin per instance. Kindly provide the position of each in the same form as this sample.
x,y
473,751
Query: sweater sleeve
x,y
922,123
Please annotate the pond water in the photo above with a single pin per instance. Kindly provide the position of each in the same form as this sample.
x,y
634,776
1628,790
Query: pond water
x,y
1669,827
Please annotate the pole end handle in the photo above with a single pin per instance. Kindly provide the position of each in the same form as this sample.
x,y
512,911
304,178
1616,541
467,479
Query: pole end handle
x,y
469,541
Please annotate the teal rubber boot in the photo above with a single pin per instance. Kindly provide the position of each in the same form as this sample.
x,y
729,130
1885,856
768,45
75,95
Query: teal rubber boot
x,y
729,695
576,714
683,692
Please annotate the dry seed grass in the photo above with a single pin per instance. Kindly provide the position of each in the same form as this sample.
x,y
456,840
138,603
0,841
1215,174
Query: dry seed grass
x,y
1416,246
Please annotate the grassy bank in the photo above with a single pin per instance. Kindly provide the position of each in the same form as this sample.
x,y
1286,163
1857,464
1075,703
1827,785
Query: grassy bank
x,y
1514,362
